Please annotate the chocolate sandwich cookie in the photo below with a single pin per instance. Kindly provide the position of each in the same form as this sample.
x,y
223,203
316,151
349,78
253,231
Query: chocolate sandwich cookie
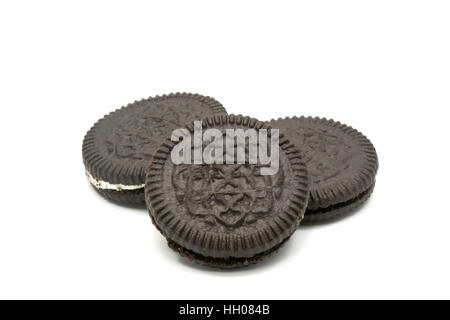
x,y
227,214
342,164
119,147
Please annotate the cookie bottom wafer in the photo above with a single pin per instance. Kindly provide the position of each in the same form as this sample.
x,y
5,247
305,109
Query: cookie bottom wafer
x,y
339,210
228,263
126,197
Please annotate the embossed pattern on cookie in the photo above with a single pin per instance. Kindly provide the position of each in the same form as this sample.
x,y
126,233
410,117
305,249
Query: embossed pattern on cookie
x,y
226,215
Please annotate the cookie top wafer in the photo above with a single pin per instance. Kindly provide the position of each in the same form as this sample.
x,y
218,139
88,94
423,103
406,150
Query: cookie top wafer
x,y
118,148
342,162
226,212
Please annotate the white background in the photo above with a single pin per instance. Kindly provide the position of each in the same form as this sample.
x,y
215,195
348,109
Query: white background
x,y
380,66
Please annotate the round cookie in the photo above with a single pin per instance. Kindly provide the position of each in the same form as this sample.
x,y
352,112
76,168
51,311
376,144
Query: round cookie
x,y
342,164
227,215
118,148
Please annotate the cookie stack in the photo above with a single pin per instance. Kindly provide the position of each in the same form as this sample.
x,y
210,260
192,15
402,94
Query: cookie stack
x,y
219,213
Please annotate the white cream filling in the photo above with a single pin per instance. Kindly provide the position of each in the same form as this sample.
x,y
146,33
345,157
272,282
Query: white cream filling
x,y
100,184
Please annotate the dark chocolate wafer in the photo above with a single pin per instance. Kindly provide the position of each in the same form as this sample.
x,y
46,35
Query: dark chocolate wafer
x,y
119,147
342,164
227,215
